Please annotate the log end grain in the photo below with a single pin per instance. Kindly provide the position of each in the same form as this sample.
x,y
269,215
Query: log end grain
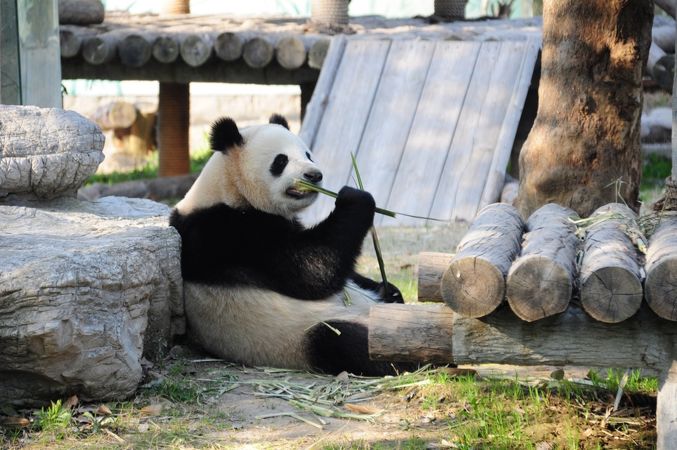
x,y
290,52
258,52
611,294
228,46
538,287
195,50
98,50
166,49
134,50
472,287
69,42
661,288
318,52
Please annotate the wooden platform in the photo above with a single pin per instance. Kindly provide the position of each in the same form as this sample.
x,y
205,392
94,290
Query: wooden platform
x,y
220,48
432,123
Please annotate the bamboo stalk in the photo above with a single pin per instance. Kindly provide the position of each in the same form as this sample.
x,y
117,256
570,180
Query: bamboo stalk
x,y
374,236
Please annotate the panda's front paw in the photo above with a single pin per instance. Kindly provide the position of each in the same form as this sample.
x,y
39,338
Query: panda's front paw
x,y
351,197
390,294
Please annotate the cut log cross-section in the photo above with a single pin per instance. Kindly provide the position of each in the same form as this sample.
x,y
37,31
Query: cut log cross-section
x,y
611,274
541,280
661,269
474,283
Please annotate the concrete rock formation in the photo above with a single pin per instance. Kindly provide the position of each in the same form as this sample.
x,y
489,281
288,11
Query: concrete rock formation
x,y
86,290
46,152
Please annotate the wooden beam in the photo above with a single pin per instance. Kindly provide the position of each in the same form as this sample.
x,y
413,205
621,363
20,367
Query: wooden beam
x,y
570,338
214,70
423,335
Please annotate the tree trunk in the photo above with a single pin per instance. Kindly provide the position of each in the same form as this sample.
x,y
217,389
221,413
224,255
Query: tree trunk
x,y
583,150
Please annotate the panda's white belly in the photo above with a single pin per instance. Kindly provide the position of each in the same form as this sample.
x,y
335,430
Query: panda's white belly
x,y
259,327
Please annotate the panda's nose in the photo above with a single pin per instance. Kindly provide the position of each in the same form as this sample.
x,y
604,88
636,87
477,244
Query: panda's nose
x,y
314,176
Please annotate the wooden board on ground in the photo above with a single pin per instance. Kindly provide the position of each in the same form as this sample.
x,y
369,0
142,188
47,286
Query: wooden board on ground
x,y
431,123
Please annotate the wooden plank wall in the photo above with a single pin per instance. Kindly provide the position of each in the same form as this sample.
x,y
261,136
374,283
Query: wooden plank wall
x,y
431,123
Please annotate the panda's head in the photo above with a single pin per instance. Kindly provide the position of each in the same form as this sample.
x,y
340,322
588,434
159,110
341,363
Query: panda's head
x,y
254,167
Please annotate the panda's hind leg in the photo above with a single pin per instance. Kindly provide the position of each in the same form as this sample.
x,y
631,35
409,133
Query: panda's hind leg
x,y
332,353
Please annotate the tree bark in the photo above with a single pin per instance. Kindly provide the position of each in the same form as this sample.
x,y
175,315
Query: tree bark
x,y
583,150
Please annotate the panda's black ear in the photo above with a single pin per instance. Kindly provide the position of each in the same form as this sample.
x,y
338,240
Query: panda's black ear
x,y
224,135
278,119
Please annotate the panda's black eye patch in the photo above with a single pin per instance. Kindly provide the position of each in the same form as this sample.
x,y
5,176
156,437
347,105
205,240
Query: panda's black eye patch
x,y
308,156
278,165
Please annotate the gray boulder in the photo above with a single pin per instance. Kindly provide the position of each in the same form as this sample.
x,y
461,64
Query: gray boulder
x,y
86,290
46,152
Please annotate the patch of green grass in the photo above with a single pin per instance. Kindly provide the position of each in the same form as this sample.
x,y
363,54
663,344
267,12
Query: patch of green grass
x,y
54,420
177,390
636,382
655,169
198,160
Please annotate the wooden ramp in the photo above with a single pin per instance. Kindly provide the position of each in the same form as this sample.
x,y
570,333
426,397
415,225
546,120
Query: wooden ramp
x,y
431,123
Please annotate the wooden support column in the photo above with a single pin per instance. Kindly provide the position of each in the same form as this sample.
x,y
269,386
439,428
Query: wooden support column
x,y
666,408
173,124
306,94
174,115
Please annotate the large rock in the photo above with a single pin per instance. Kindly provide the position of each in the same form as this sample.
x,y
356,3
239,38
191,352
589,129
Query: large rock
x,y
86,289
46,152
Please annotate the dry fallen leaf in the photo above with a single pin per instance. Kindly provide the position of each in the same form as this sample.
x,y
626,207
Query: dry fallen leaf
x,y
72,402
103,410
360,409
15,421
151,410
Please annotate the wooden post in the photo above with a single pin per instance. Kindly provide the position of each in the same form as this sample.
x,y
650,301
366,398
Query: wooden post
x,y
173,124
666,408
474,283
450,9
329,12
541,280
10,70
29,53
174,114
674,121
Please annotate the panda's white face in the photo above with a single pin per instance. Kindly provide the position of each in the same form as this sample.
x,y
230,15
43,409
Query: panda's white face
x,y
270,161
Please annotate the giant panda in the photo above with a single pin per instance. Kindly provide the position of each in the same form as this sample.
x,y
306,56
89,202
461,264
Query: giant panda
x,y
260,288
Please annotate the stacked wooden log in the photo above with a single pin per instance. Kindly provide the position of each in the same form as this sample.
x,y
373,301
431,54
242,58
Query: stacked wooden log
x,y
661,61
135,47
538,267
185,48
